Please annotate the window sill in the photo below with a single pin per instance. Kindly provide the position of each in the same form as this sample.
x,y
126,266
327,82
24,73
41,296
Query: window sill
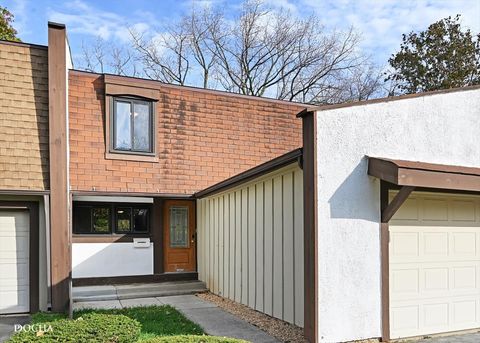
x,y
131,157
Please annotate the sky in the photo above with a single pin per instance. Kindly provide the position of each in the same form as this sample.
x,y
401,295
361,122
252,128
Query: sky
x,y
380,22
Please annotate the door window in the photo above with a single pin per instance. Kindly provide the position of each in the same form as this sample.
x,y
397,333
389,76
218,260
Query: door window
x,y
179,227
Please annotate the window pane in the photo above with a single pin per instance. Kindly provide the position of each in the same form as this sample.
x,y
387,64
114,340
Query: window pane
x,y
101,219
142,130
124,217
123,138
179,227
140,219
82,220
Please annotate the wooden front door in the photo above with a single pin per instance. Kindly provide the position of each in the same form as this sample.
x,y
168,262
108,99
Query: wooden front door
x,y
179,236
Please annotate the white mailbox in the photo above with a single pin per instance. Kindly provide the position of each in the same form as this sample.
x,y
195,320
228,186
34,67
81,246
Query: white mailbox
x,y
141,242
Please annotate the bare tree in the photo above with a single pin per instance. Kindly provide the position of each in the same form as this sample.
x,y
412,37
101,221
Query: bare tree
x,y
274,54
115,59
164,57
261,52
93,57
360,83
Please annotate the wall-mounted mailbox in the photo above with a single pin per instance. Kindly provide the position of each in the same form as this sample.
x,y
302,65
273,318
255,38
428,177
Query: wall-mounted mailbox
x,y
141,242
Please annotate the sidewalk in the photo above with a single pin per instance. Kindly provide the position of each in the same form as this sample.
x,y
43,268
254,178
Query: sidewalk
x,y
212,319
7,325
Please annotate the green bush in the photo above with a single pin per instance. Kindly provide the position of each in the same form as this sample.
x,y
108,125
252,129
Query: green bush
x,y
90,328
193,339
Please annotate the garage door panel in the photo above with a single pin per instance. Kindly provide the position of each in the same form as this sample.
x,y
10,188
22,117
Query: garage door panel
x,y
435,210
405,319
14,262
435,267
464,243
464,313
435,244
14,274
409,210
434,280
463,211
404,244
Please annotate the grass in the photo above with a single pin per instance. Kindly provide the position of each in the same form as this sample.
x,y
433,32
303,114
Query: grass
x,y
156,321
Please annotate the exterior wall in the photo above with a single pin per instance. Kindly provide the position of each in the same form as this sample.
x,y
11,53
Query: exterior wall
x,y
438,128
23,117
110,259
250,244
44,248
203,137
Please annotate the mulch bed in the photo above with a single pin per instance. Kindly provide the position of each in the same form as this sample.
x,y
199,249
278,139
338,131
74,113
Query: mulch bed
x,y
283,331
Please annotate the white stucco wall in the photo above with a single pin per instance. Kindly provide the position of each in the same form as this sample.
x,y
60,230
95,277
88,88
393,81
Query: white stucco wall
x,y
111,259
442,128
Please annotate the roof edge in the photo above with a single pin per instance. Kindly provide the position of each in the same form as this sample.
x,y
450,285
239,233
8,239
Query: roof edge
x,y
22,44
112,78
393,98
252,173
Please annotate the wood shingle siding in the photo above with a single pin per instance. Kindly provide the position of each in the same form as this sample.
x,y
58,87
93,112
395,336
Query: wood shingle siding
x,y
23,117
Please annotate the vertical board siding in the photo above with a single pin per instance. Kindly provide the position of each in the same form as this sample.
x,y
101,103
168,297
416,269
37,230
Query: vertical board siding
x,y
244,262
259,250
252,258
221,244
231,269
251,244
226,247
298,246
268,246
288,243
238,246
278,247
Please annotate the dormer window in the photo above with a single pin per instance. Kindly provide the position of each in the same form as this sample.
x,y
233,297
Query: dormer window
x,y
132,126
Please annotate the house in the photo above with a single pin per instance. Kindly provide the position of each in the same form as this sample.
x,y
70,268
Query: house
x,y
353,221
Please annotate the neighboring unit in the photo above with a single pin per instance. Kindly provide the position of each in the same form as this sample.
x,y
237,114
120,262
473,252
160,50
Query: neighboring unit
x,y
397,215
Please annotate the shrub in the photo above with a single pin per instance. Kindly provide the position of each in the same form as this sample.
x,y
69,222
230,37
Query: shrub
x,y
93,327
193,339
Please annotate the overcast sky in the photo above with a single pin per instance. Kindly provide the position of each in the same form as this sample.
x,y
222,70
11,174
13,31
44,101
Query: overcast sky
x,y
381,22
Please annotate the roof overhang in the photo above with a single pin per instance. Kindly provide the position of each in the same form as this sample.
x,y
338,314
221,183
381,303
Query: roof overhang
x,y
425,175
267,167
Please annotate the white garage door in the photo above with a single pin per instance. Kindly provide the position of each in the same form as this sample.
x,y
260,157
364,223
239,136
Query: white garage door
x,y
14,262
435,265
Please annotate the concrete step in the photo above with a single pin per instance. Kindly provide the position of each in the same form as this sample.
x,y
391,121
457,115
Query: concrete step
x,y
132,291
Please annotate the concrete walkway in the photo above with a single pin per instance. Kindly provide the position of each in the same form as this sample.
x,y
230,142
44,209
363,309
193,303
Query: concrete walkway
x,y
136,290
7,325
212,319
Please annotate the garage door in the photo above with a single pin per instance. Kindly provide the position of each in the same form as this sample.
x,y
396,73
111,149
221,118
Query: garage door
x,y
435,265
14,261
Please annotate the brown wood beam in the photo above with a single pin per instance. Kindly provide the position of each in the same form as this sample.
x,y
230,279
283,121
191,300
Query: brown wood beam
x,y
392,207
58,142
385,281
310,230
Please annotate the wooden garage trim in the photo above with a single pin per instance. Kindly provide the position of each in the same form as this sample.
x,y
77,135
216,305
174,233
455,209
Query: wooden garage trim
x,y
421,174
34,254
